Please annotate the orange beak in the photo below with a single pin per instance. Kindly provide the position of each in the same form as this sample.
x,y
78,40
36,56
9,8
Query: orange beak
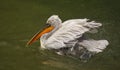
x,y
39,34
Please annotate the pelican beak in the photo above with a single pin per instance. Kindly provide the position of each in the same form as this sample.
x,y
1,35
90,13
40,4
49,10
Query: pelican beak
x,y
47,28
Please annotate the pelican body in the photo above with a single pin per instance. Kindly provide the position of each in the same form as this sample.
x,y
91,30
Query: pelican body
x,y
68,33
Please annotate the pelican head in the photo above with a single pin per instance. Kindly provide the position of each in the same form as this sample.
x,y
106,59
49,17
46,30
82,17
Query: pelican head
x,y
54,20
52,23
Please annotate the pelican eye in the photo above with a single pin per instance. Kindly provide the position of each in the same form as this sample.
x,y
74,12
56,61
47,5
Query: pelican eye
x,y
48,22
51,21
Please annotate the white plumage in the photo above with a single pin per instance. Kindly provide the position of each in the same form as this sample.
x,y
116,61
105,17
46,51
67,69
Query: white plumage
x,y
95,46
69,31
66,34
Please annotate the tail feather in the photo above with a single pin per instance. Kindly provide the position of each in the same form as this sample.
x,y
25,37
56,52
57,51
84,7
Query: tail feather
x,y
94,45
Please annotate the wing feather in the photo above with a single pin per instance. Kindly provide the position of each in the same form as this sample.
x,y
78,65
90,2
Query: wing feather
x,y
70,30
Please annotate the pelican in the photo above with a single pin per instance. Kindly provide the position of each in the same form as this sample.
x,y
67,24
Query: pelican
x,y
67,34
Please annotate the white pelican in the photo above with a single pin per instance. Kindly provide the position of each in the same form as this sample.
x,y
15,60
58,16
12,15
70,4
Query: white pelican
x,y
67,34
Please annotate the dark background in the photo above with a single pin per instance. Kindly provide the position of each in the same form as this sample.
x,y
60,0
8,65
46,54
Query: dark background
x,y
21,19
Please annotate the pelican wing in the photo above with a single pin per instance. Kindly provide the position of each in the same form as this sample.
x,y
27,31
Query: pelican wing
x,y
95,46
69,31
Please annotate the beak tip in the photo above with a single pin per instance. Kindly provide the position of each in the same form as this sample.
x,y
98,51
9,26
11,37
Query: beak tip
x,y
27,44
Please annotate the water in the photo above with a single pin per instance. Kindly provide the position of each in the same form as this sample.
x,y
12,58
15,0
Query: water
x,y
21,19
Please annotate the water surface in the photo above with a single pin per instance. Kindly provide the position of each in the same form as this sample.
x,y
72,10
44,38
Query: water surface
x,y
20,19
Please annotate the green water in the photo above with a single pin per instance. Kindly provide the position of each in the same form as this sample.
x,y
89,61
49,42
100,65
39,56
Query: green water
x,y
20,19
